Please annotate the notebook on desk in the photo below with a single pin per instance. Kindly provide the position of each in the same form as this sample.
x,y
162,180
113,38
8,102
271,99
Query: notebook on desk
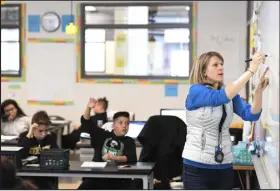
x,y
94,164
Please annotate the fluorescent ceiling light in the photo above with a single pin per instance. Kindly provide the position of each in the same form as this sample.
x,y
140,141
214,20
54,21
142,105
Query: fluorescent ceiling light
x,y
187,8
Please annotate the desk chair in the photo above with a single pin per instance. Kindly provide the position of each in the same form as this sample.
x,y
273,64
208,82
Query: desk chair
x,y
163,139
57,118
237,134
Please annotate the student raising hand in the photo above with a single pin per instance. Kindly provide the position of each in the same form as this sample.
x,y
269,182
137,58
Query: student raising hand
x,y
91,103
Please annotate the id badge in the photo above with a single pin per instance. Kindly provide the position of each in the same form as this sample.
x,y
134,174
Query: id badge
x,y
219,155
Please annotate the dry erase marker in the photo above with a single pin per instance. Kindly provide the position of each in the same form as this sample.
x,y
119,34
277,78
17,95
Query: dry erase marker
x,y
252,59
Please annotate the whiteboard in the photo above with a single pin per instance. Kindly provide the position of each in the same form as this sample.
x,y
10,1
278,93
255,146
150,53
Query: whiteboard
x,y
227,43
51,71
267,129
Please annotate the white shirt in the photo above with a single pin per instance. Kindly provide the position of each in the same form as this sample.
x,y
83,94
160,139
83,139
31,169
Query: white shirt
x,y
16,126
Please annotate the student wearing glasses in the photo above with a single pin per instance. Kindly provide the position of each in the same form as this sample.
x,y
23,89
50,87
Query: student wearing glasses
x,y
13,120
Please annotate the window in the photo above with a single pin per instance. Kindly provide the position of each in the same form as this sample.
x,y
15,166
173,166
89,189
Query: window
x,y
143,41
10,40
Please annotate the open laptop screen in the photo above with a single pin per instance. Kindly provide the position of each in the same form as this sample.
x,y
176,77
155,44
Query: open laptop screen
x,y
135,127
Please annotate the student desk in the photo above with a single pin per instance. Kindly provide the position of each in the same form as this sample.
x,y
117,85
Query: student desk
x,y
141,170
9,142
236,126
248,170
13,142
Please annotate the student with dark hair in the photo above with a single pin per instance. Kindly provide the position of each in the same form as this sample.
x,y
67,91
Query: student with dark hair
x,y
9,181
108,146
99,118
34,141
13,119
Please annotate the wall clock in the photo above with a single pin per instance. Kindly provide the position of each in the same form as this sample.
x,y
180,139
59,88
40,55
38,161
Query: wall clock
x,y
50,22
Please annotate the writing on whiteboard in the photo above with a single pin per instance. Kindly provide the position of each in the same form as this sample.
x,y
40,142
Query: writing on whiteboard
x,y
222,38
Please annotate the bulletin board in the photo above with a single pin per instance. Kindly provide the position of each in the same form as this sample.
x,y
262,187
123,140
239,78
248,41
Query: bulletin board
x,y
264,37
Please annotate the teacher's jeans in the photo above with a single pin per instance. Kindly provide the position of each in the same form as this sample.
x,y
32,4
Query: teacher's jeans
x,y
208,179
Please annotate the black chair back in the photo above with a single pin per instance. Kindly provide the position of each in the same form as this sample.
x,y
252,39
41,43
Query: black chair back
x,y
163,139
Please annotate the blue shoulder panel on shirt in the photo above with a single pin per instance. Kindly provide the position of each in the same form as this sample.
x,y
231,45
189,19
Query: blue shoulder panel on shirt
x,y
201,96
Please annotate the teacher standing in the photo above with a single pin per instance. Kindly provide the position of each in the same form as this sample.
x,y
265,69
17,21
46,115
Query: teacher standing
x,y
210,107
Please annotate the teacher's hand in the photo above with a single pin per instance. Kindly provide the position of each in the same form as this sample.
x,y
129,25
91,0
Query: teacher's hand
x,y
263,83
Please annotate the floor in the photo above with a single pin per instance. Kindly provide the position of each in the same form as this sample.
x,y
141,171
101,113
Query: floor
x,y
69,183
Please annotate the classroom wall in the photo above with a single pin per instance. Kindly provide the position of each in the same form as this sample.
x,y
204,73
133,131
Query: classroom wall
x,y
221,26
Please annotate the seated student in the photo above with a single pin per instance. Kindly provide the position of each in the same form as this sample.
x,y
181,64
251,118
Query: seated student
x,y
13,119
111,146
99,118
9,181
34,141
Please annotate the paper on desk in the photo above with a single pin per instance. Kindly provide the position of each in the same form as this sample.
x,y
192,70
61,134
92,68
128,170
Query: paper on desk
x,y
5,148
93,164
6,138
33,165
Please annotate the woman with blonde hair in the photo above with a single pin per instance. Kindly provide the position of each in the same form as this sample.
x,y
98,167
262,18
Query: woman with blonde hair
x,y
210,107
